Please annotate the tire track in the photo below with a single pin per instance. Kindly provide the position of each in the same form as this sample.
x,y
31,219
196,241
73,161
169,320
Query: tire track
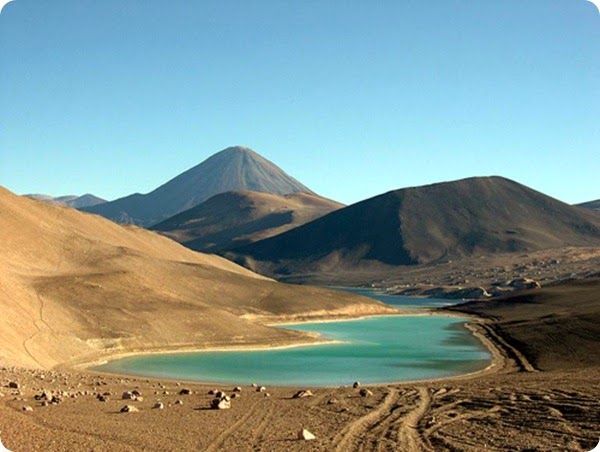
x,y
348,436
409,439
220,440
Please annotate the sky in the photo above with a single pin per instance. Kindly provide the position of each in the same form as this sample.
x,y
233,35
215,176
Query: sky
x,y
352,98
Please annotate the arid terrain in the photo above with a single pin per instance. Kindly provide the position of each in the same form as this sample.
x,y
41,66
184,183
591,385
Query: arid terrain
x,y
77,288
511,406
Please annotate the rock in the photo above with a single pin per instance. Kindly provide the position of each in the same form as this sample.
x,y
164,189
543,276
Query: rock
x,y
356,384
267,394
364,392
212,391
102,398
185,391
237,389
235,395
332,401
254,385
27,408
45,403
303,393
127,395
524,283
223,403
139,399
220,394
55,400
306,435
178,402
261,389
136,393
14,385
158,406
128,409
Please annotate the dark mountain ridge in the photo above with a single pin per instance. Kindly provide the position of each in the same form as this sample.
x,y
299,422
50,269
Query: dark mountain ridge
x,y
419,225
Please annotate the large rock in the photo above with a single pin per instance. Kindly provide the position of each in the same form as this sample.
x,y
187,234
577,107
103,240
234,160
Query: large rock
x,y
302,394
306,435
524,283
129,409
223,403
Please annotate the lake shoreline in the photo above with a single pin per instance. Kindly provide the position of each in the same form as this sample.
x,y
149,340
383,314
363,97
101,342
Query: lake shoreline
x,y
496,360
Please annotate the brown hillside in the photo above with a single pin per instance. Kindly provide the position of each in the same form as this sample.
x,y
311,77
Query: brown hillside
x,y
419,225
76,286
237,218
555,327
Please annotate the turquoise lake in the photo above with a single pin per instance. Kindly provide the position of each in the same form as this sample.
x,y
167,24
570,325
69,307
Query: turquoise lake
x,y
374,350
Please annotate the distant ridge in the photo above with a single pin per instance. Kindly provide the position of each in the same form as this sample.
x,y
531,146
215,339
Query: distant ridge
x,y
594,205
469,217
236,218
234,168
74,201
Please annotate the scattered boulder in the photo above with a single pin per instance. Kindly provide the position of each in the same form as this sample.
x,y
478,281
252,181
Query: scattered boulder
x,y
128,409
356,384
306,435
27,408
303,393
158,406
128,395
185,391
136,393
55,400
220,394
102,398
364,392
524,283
222,403
14,385
235,395
178,402
237,389
261,389
212,391
333,401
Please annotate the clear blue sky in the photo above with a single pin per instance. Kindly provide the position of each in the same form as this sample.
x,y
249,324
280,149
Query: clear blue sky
x,y
353,98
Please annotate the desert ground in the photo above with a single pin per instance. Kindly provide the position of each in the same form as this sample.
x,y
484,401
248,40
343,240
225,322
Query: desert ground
x,y
531,398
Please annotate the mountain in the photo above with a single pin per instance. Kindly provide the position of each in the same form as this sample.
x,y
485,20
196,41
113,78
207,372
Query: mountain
x,y
595,205
75,286
236,218
77,202
469,217
235,168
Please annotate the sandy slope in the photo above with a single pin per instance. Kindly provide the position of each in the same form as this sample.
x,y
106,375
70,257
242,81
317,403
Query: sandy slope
x,y
73,285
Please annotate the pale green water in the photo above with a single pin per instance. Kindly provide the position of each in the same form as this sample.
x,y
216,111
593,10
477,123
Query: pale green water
x,y
377,350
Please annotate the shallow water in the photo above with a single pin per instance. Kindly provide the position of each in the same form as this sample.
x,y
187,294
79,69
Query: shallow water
x,y
375,350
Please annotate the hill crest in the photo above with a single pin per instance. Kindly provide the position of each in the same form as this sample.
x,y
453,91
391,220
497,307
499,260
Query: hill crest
x,y
234,168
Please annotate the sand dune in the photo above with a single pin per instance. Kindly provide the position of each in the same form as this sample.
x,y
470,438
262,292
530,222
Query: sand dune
x,y
74,286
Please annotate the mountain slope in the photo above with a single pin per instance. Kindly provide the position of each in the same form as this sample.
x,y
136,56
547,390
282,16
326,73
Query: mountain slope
x,y
595,205
469,217
75,286
235,168
236,218
77,202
